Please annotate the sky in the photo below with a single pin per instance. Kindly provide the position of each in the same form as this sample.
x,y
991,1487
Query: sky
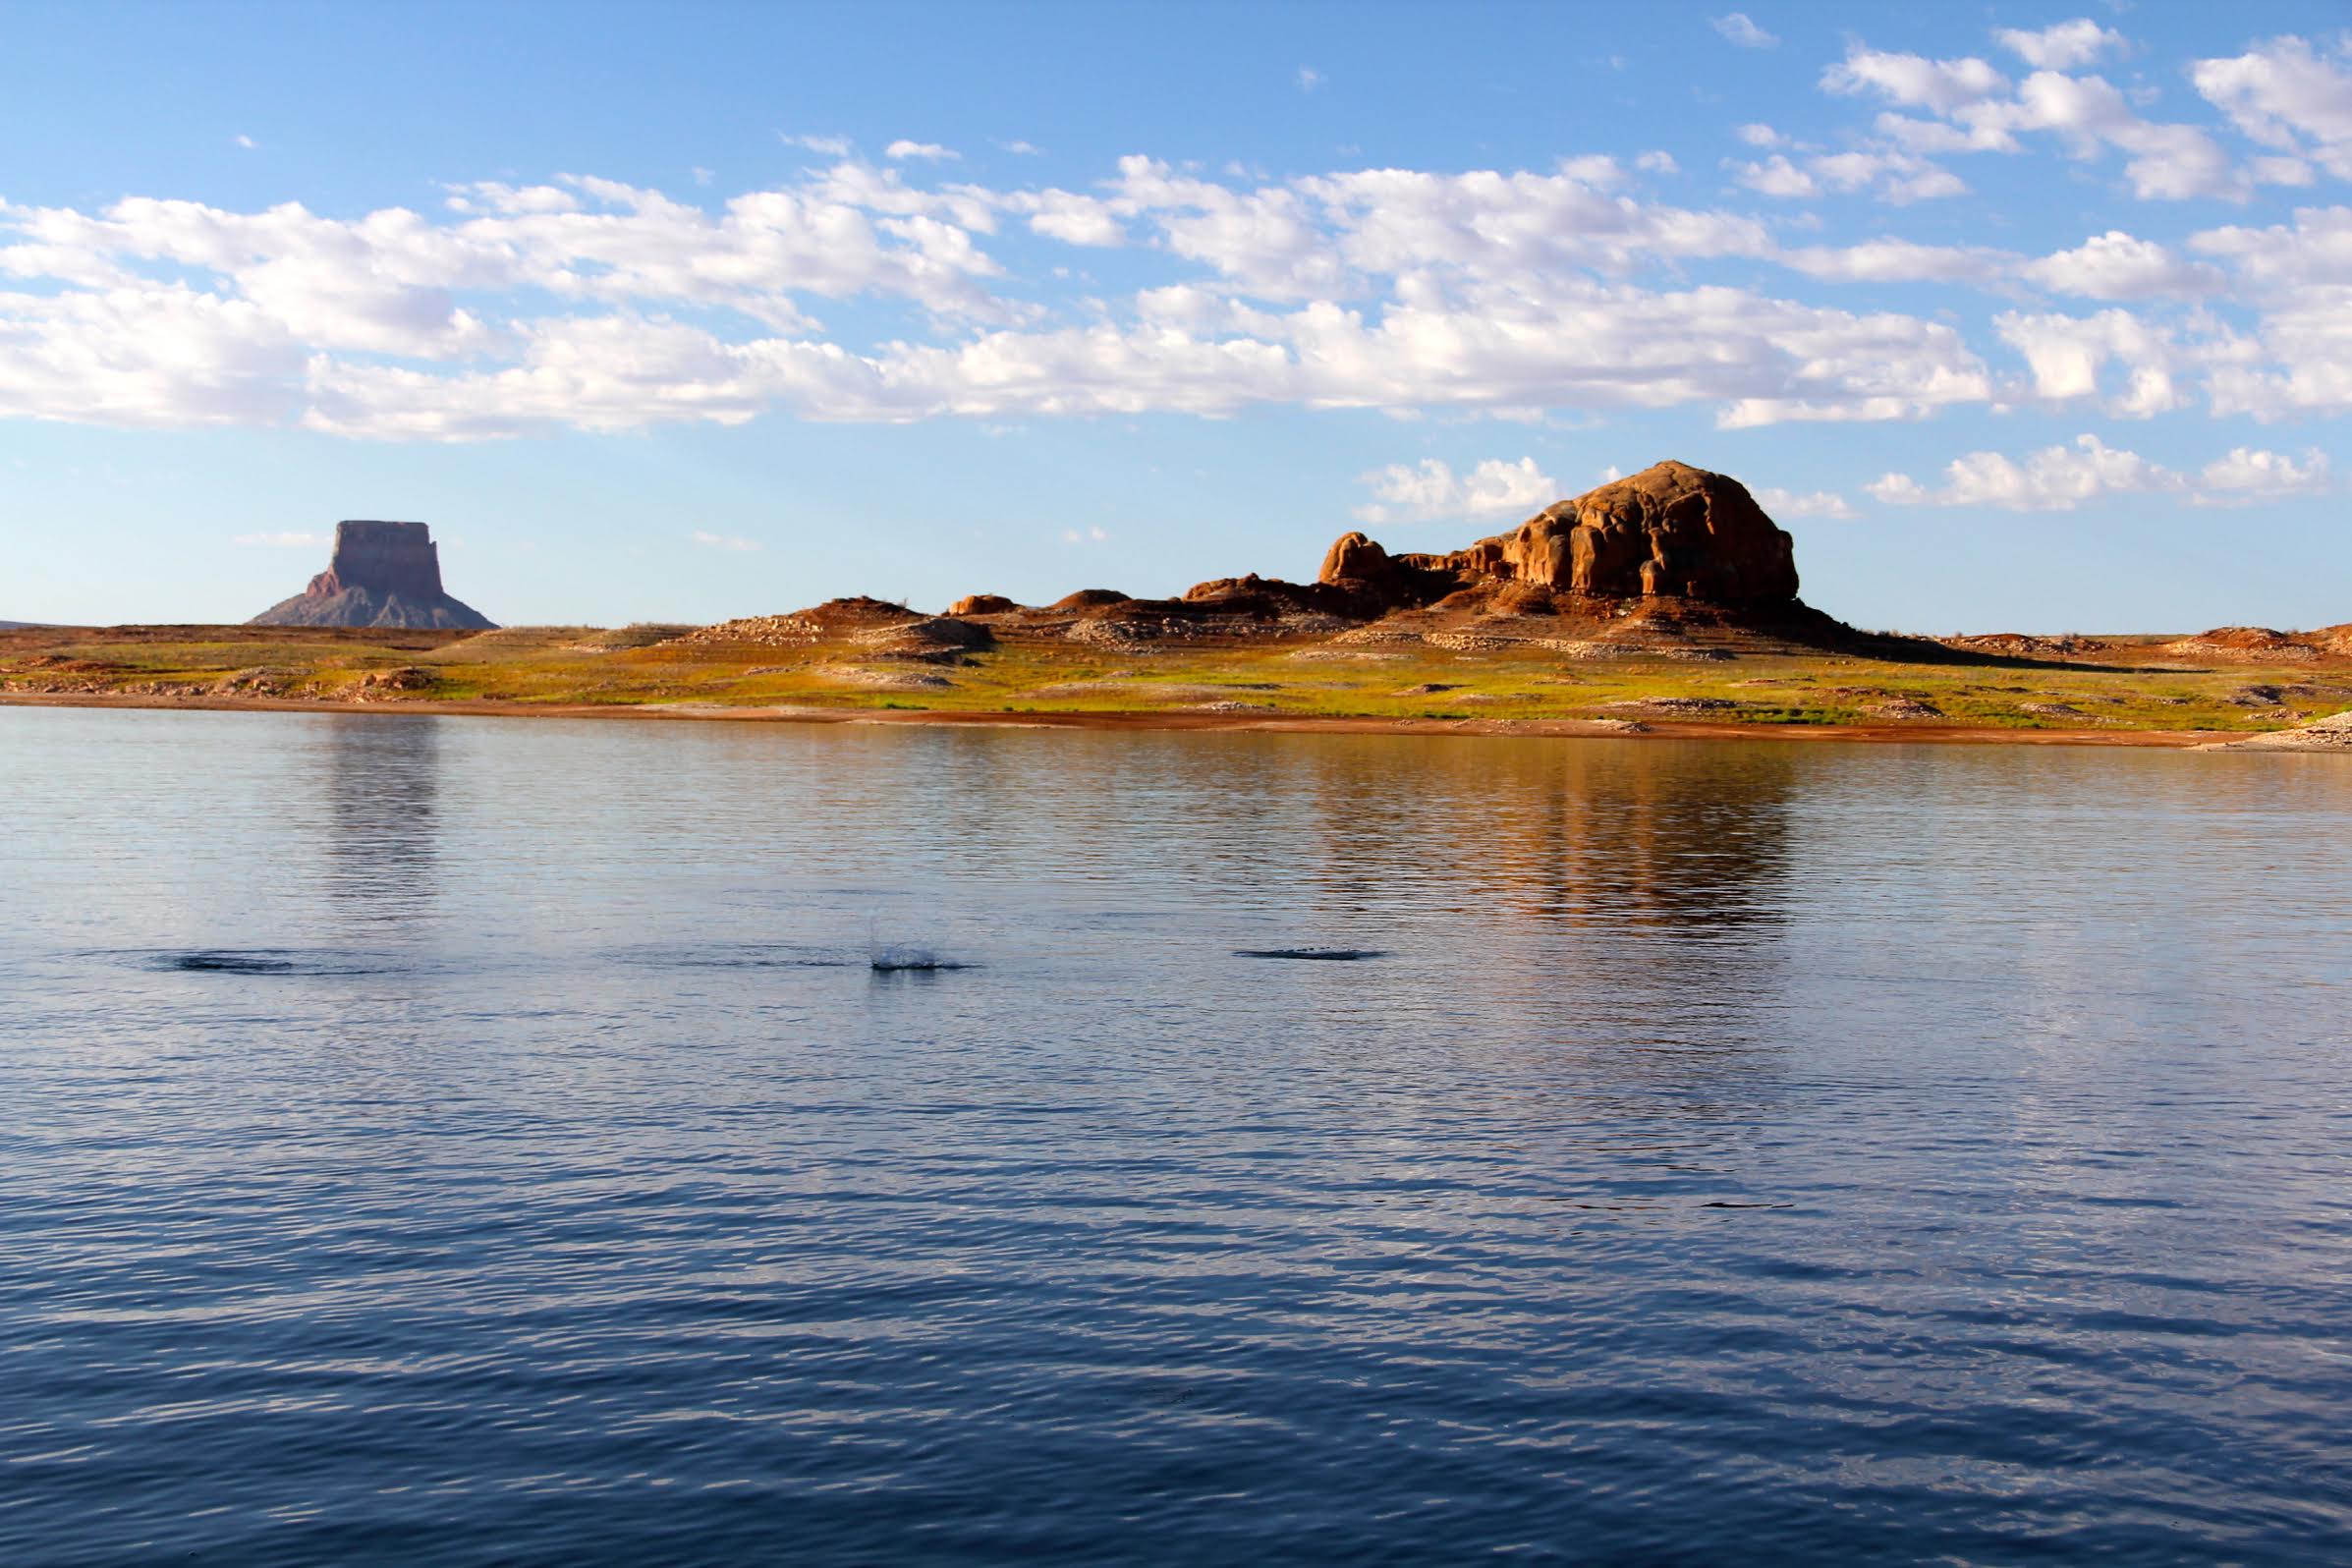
x,y
2017,317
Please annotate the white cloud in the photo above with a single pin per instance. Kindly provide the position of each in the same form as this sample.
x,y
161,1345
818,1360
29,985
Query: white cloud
x,y
1025,149
245,141
1434,492
2316,252
1071,218
1740,30
1813,503
2298,358
2250,475
2285,94
2117,267
1092,535
1978,110
2056,478
1913,80
1759,135
827,147
2067,357
585,303
1890,174
1657,163
723,541
1900,261
2063,47
288,540
1777,177
1308,78
929,151
2060,478
1885,172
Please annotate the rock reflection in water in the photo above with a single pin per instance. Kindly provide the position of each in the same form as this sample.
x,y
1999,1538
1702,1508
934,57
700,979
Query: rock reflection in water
x,y
381,784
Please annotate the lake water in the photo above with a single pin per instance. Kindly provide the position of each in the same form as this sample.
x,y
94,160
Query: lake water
x,y
478,1141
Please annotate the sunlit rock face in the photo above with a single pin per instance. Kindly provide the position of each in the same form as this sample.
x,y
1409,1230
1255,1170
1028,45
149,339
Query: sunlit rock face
x,y
1668,532
382,574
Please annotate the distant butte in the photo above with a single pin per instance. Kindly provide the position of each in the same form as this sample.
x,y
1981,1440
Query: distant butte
x,y
382,574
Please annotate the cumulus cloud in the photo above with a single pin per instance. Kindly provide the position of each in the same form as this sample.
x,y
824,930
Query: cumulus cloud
x,y
2056,478
2062,47
586,302
826,146
1811,503
1308,78
1900,261
1881,167
1431,491
1740,30
2298,358
929,151
2289,95
2285,94
723,541
1914,80
2117,267
1776,175
2060,478
2248,474
2067,356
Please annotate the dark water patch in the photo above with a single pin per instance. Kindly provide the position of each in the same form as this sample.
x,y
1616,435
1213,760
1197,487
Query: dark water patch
x,y
1317,955
908,959
265,961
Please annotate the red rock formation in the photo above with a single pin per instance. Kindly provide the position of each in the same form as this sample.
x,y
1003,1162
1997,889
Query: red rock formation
x,y
382,574
1088,599
1668,532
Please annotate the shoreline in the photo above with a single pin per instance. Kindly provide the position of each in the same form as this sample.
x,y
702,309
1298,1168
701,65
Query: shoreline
x,y
1150,720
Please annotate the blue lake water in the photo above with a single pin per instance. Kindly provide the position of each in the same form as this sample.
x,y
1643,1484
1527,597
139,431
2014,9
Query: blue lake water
x,y
478,1141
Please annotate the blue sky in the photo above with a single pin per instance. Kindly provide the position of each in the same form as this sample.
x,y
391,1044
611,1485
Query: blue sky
x,y
2017,317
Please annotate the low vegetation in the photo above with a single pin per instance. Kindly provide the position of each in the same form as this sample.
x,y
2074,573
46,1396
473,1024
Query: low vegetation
x,y
2117,685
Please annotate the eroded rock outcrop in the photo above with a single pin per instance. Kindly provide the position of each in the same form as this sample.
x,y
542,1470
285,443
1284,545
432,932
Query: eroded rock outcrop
x,y
381,573
883,628
2259,645
1668,532
982,604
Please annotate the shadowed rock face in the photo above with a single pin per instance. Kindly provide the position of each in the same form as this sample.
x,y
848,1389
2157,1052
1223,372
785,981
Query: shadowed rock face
x,y
1668,532
382,574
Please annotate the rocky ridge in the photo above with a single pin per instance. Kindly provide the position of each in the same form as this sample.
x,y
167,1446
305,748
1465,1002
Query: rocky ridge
x,y
1668,561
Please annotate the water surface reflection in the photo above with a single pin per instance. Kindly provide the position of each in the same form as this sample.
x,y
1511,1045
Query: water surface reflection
x,y
1734,1153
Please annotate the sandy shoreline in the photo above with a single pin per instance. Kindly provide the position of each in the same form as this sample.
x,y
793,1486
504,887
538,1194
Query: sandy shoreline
x,y
1270,723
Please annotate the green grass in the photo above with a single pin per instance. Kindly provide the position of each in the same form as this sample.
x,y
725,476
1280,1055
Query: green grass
x,y
1046,677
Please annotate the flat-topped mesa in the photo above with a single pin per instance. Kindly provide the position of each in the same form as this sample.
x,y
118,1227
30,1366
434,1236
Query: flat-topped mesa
x,y
381,573
389,557
1668,532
